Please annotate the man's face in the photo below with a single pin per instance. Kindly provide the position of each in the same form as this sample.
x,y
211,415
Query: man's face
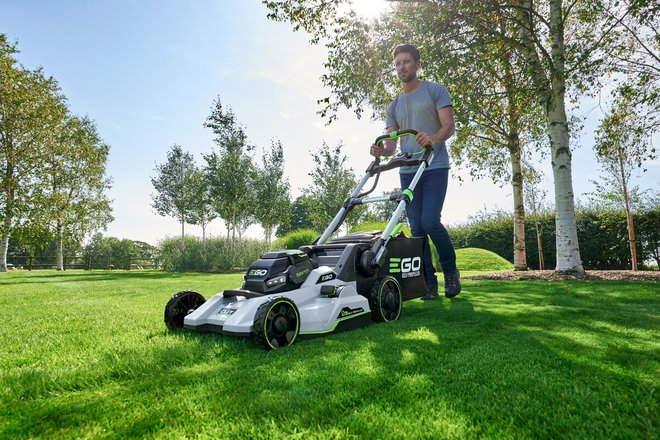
x,y
406,66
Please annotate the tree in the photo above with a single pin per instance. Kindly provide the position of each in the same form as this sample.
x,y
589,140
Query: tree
x,y
299,217
203,211
273,201
71,195
174,184
621,146
230,170
332,183
102,252
31,107
632,57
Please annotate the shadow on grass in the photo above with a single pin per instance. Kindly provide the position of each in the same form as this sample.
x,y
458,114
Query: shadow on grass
x,y
36,277
556,365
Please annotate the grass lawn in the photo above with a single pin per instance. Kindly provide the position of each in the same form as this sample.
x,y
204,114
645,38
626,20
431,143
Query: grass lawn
x,y
86,355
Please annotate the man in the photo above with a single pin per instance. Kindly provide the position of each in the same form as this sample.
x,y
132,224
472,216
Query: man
x,y
425,107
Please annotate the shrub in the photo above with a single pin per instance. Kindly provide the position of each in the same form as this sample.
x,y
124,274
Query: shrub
x,y
210,255
295,239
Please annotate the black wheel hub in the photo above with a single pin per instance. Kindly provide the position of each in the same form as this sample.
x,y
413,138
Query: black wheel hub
x,y
281,325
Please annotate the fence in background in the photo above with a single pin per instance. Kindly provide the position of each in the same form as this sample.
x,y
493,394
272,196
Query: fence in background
x,y
27,262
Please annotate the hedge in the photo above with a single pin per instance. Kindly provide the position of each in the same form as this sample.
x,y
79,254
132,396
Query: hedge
x,y
603,237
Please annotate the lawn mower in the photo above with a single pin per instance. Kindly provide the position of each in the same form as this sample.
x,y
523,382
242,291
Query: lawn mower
x,y
328,286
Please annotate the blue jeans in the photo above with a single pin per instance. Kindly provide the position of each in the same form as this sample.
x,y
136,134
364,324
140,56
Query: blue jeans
x,y
424,214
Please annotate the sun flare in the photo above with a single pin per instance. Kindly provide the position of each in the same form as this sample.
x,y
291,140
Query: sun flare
x,y
370,9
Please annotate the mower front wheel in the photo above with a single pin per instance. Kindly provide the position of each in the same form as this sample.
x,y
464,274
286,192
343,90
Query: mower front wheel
x,y
181,305
276,324
386,300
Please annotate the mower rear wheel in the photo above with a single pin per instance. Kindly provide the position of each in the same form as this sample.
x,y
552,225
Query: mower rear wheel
x,y
181,305
276,324
386,300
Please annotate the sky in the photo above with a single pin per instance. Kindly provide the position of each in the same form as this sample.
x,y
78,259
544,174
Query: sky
x,y
147,73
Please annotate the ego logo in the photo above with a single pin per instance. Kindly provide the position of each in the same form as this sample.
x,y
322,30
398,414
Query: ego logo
x,y
257,272
326,277
407,267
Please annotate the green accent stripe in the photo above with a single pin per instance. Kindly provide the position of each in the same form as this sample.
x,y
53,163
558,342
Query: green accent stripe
x,y
395,231
334,324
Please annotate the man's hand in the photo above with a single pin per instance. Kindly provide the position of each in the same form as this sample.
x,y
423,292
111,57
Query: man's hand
x,y
376,150
423,139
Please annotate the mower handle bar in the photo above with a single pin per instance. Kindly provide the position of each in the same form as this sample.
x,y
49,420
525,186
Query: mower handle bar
x,y
397,135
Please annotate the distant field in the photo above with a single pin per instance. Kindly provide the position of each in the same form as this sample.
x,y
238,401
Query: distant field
x,y
86,355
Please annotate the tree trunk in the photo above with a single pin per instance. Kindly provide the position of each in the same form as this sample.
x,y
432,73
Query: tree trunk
x,y
629,217
60,246
568,250
539,243
8,215
268,232
4,243
519,256
233,234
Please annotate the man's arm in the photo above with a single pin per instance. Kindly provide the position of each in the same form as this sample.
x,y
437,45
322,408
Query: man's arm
x,y
447,128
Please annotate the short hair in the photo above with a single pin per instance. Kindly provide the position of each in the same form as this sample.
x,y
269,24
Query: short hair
x,y
406,48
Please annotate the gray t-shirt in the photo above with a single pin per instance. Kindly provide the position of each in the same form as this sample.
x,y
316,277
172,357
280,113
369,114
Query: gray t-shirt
x,y
419,111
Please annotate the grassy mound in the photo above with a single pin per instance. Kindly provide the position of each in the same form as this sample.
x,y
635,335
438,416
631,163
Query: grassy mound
x,y
481,260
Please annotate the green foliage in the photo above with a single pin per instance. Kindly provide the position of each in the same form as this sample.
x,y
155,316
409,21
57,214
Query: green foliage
x,y
332,183
272,190
71,199
298,219
295,239
104,252
210,255
569,359
31,112
647,224
31,240
176,193
603,236
622,141
632,55
230,171
202,211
